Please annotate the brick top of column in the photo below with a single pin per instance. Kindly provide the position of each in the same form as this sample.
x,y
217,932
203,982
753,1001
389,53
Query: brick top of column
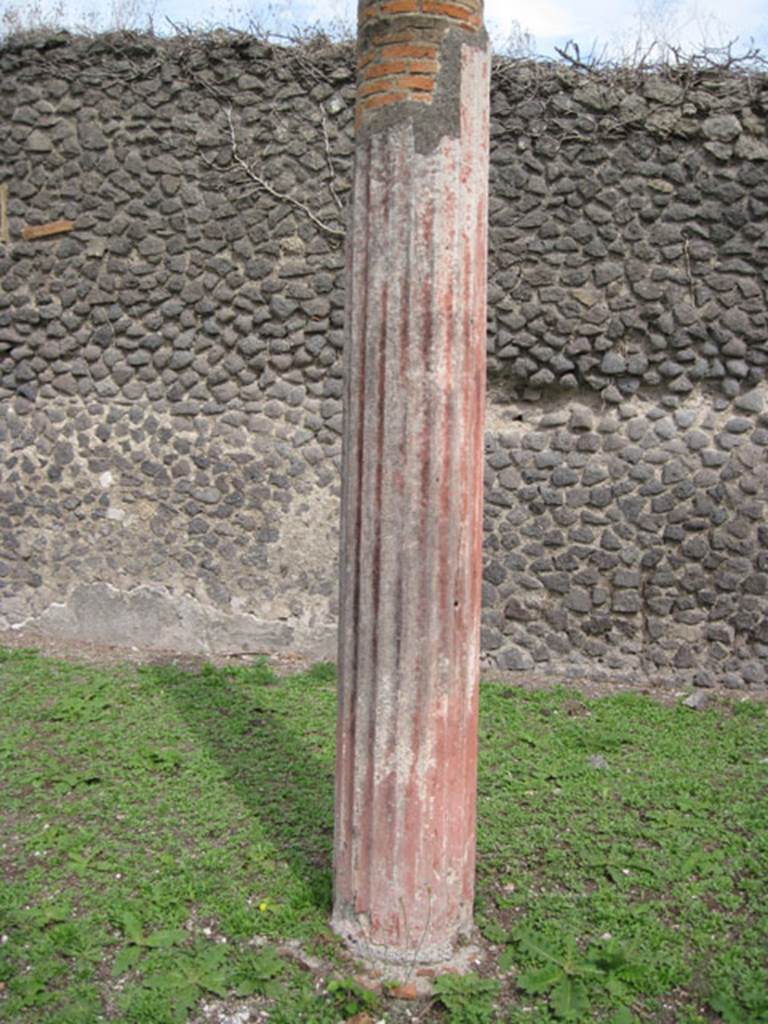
x,y
408,62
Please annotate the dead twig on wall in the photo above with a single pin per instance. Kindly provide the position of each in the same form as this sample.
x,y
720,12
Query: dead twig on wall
x,y
4,236
329,161
263,185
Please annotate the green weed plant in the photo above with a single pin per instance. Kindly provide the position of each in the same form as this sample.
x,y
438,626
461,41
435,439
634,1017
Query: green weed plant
x,y
466,998
165,836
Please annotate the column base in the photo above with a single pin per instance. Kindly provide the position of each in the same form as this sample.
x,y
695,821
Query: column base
x,y
417,967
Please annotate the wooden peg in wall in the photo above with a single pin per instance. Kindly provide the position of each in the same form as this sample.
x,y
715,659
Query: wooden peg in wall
x,y
56,227
3,213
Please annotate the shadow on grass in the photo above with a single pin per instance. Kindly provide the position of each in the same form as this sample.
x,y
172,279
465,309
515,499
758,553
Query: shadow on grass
x,y
276,751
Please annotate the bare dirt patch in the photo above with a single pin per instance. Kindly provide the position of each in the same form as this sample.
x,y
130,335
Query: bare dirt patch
x,y
292,662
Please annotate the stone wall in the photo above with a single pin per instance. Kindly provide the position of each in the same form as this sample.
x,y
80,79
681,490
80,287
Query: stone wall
x,y
170,372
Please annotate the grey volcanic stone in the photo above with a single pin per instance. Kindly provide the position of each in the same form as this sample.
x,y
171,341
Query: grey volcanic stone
x,y
515,658
750,401
721,127
91,136
39,142
171,374
696,701
613,363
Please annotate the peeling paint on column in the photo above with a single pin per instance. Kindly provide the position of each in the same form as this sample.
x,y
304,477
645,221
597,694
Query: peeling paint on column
x,y
412,484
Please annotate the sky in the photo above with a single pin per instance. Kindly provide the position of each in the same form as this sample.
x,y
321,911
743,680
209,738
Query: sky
x,y
611,28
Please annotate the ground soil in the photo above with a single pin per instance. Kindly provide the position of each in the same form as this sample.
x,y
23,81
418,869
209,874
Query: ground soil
x,y
417,1008
290,662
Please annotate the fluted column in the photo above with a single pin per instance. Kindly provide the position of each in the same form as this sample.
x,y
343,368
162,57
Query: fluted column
x,y
412,483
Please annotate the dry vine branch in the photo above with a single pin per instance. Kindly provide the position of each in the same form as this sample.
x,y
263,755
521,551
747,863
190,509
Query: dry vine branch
x,y
329,161
264,185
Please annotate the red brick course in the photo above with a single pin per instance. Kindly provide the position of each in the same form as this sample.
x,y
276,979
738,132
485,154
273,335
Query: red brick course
x,y
402,65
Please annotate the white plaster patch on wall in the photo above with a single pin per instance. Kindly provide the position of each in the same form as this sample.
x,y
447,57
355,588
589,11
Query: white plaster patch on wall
x,y
154,617
309,534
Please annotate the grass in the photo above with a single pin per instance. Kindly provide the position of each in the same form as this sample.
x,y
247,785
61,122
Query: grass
x,y
165,838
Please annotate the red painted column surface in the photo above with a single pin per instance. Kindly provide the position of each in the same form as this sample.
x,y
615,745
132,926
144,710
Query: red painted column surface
x,y
412,483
